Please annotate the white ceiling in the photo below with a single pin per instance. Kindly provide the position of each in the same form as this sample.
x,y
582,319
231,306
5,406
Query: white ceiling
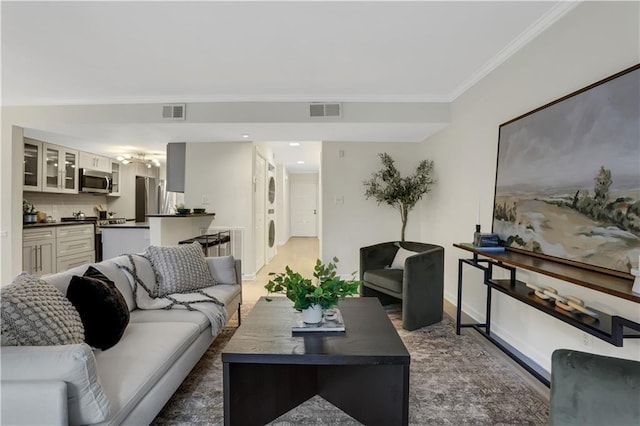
x,y
84,53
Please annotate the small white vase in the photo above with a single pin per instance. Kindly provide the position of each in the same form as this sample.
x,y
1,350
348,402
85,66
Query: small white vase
x,y
312,315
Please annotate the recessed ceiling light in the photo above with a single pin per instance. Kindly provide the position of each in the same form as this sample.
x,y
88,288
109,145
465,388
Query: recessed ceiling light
x,y
294,143
245,135
300,162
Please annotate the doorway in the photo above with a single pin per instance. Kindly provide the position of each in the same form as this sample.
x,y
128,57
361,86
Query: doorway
x,y
304,204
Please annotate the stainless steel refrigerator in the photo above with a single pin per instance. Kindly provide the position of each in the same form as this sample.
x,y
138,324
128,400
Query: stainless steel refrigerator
x,y
147,197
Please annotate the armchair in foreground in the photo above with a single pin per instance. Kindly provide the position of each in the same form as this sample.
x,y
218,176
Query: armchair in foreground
x,y
589,389
419,284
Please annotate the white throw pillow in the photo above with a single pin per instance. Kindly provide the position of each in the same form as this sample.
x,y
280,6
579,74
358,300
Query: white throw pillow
x,y
73,364
401,256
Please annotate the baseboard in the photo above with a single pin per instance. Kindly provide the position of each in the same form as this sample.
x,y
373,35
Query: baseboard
x,y
248,277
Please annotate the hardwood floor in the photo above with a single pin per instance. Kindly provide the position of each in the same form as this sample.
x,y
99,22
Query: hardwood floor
x,y
299,253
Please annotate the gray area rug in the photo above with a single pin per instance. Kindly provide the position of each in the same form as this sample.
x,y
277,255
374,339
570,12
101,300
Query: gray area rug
x,y
454,381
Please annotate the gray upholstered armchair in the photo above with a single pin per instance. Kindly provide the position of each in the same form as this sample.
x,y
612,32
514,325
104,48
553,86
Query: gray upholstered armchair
x,y
419,285
589,389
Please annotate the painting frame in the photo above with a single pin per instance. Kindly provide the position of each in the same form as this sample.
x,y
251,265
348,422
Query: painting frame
x,y
546,210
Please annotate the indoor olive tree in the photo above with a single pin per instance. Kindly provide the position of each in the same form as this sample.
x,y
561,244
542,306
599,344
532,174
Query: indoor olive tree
x,y
387,186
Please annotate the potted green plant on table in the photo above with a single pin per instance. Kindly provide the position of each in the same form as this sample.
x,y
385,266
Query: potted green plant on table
x,y
309,297
181,210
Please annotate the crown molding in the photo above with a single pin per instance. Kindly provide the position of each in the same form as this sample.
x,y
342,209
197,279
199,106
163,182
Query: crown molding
x,y
545,21
129,100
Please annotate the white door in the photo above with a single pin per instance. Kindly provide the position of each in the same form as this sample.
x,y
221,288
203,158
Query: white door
x,y
304,209
259,190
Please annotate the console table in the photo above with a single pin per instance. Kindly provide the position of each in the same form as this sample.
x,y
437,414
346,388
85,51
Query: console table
x,y
610,328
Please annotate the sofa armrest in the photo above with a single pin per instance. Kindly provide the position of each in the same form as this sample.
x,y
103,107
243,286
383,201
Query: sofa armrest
x,y
75,365
425,269
423,288
225,269
20,397
591,389
238,266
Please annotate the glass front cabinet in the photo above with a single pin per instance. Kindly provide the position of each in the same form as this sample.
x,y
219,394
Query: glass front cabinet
x,y
32,164
115,178
59,169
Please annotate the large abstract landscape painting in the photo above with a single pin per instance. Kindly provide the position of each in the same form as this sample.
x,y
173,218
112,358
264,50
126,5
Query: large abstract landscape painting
x,y
568,177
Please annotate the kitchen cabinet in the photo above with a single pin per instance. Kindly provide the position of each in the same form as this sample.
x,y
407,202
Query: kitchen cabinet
x,y
38,248
59,169
65,263
94,162
74,246
115,179
32,165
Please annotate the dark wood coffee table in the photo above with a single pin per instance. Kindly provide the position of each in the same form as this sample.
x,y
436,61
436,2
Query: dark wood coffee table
x,y
364,371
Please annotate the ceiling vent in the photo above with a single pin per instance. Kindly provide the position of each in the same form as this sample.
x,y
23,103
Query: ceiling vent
x,y
333,110
173,112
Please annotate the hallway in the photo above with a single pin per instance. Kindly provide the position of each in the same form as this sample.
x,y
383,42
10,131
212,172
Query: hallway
x,y
299,253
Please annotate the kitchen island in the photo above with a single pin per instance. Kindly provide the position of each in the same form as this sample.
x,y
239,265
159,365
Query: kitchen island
x,y
159,230
169,229
130,237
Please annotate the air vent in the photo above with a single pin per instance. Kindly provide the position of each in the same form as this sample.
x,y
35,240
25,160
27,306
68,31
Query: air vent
x,y
173,112
325,110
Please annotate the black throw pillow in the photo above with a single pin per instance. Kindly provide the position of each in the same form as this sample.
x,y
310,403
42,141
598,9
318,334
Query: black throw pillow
x,y
102,308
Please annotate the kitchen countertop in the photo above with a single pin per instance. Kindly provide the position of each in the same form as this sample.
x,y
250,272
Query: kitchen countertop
x,y
126,225
38,225
182,215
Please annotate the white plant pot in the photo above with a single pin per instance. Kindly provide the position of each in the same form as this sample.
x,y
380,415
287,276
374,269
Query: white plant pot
x,y
312,315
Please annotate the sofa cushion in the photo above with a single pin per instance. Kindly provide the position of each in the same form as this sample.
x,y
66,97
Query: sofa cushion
x,y
400,257
180,269
144,354
35,313
390,279
222,269
109,268
102,308
171,315
73,364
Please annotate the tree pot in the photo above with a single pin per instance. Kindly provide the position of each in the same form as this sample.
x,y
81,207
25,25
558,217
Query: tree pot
x,y
312,315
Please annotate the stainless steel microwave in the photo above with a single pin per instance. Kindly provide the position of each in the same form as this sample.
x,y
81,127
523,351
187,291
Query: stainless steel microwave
x,y
95,181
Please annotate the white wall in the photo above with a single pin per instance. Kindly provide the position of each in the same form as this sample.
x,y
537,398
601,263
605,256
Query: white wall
x,y
283,226
222,171
12,151
593,41
360,222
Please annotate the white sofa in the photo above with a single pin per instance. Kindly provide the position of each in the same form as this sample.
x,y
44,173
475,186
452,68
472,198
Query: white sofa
x,y
138,375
